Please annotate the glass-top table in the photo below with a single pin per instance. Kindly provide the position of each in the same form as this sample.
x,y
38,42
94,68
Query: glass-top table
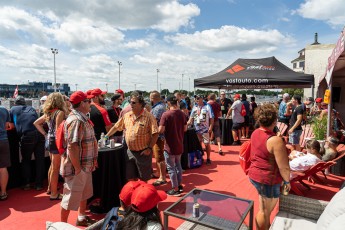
x,y
217,211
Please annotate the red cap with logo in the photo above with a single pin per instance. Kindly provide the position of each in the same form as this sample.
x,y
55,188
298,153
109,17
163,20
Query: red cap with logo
x,y
88,94
318,100
127,191
77,97
120,91
237,96
145,197
97,92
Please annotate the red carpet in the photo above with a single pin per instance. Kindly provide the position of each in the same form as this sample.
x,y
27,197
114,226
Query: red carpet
x,y
31,209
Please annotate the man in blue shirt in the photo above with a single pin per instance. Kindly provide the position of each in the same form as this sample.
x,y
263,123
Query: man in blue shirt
x,y
31,141
5,160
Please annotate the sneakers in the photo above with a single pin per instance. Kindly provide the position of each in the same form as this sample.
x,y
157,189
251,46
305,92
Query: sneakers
x,y
180,188
208,162
172,192
238,142
86,222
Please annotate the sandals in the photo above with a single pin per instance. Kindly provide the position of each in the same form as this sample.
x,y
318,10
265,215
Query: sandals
x,y
4,196
159,182
58,197
221,152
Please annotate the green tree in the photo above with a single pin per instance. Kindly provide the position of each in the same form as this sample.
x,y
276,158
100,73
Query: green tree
x,y
292,92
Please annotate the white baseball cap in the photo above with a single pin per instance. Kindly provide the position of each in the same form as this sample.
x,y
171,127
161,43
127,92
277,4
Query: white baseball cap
x,y
44,98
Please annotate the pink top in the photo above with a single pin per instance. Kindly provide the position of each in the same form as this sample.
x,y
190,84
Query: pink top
x,y
263,168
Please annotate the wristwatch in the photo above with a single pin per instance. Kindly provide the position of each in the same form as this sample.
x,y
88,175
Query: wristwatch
x,y
286,182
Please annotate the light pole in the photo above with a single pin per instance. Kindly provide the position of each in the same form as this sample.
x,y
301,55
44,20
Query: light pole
x,y
120,64
188,85
135,86
54,51
182,82
157,78
160,87
106,86
76,87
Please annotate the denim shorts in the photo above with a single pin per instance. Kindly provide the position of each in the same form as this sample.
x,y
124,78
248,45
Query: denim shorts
x,y
294,137
265,190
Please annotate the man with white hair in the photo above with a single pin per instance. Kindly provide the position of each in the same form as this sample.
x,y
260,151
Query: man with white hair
x,y
283,115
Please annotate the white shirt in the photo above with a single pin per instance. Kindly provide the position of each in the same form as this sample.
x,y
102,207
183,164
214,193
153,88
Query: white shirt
x,y
304,163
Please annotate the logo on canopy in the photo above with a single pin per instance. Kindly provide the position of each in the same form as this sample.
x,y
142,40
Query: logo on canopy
x,y
235,69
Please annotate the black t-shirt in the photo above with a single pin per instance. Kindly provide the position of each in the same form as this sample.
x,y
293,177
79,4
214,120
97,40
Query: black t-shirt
x,y
114,116
224,105
97,119
297,111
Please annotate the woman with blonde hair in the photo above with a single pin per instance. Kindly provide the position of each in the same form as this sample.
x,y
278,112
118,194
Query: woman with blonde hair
x,y
54,112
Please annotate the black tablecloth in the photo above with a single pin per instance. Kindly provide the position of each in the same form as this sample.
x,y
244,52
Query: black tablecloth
x,y
225,128
190,143
15,170
110,176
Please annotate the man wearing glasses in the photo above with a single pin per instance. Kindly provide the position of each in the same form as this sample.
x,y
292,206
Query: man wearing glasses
x,y
224,102
98,114
79,161
141,135
114,112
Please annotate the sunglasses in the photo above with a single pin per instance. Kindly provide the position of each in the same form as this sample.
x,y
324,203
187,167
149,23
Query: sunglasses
x,y
87,101
133,102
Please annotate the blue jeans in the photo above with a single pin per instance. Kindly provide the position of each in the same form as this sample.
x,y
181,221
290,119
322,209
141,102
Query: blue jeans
x,y
32,142
174,168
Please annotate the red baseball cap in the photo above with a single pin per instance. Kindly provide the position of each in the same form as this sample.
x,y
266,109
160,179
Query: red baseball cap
x,y
77,97
88,94
237,96
127,191
120,91
145,197
318,100
97,92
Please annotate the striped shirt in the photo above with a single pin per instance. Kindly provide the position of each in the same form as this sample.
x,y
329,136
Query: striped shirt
x,y
139,130
78,129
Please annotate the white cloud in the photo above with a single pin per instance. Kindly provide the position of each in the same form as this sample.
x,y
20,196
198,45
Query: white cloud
x,y
137,44
17,23
176,15
232,38
331,11
284,19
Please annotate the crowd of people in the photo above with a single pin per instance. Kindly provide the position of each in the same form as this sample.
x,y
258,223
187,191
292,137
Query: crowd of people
x,y
155,129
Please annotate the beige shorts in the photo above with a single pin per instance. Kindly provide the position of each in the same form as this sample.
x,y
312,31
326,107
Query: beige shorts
x,y
76,189
204,137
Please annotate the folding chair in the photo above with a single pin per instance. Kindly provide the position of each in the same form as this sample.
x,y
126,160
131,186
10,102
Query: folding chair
x,y
304,176
282,128
306,133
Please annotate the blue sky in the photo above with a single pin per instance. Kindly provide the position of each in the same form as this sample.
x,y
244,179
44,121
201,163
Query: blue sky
x,y
193,38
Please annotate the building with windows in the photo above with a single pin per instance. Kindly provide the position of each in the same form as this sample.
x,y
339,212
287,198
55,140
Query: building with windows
x,y
313,59
33,89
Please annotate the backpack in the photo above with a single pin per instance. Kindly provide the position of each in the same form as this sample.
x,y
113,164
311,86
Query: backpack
x,y
244,156
243,110
111,219
60,138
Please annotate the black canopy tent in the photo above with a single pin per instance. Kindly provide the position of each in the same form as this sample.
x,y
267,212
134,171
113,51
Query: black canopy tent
x,y
264,73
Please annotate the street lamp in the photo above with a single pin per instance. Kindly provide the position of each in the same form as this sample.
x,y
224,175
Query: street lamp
x,y
120,64
76,87
157,78
54,51
106,86
188,85
182,82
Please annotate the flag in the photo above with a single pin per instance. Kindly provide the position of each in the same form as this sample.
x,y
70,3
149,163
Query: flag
x,y
15,94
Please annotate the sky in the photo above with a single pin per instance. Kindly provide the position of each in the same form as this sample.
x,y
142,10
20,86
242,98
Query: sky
x,y
178,41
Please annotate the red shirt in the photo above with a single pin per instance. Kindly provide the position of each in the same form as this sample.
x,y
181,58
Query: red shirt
x,y
263,168
215,108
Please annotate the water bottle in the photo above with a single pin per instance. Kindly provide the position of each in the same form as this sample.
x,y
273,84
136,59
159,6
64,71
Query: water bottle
x,y
102,140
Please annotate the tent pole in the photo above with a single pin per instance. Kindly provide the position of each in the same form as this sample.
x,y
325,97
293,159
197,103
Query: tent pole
x,y
329,121
312,90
